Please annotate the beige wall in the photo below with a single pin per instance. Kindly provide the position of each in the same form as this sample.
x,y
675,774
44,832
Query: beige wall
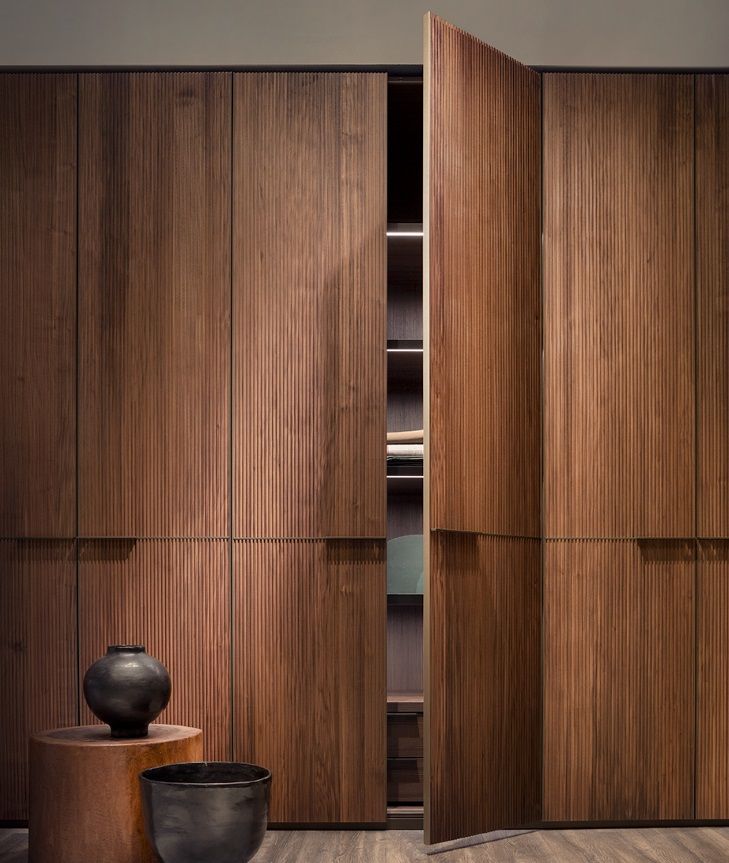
x,y
226,32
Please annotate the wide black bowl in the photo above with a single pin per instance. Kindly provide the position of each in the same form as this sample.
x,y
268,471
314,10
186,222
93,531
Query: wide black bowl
x,y
205,811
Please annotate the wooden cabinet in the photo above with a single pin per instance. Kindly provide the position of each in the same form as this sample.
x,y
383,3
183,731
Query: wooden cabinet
x,y
37,655
309,682
38,320
619,685
308,474
712,716
619,389
309,297
154,298
173,596
196,265
712,289
712,269
482,425
620,447
482,286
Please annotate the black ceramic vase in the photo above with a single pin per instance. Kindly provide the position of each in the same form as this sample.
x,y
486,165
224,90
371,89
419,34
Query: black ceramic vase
x,y
206,811
127,689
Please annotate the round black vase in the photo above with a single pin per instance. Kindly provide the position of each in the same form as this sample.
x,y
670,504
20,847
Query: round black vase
x,y
127,689
216,811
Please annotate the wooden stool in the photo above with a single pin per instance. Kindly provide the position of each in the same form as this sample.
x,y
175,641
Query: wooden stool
x,y
85,805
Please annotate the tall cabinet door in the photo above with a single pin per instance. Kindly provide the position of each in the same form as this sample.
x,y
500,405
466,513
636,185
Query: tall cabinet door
x,y
309,296
712,268
309,402
483,463
38,302
37,418
618,306
619,383
154,300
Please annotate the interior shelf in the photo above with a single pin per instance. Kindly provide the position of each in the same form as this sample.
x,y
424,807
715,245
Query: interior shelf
x,y
405,231
404,702
404,817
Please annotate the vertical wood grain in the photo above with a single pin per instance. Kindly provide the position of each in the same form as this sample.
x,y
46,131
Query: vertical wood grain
x,y
712,267
173,596
309,294
619,305
483,193
37,655
618,680
309,675
484,728
154,295
712,762
38,301
482,420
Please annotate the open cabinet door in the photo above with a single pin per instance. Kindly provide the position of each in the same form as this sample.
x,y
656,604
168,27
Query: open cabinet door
x,y
482,223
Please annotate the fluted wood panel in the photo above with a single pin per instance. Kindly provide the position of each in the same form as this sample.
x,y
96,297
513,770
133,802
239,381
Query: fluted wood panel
x,y
619,305
712,268
483,234
483,692
712,733
309,295
37,655
38,302
173,597
618,680
154,288
309,676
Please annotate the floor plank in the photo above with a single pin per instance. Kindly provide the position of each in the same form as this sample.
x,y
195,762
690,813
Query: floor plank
x,y
646,845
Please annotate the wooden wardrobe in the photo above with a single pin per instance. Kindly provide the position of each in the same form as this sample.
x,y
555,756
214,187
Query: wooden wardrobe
x,y
194,270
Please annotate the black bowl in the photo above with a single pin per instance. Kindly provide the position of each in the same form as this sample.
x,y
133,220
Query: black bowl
x,y
205,811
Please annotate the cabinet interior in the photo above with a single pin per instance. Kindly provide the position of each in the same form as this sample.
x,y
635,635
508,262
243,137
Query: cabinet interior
x,y
405,479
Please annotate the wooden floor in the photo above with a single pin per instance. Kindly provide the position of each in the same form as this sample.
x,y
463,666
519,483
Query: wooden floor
x,y
658,845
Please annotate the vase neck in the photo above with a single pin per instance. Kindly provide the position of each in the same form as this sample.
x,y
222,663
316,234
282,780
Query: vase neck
x,y
125,648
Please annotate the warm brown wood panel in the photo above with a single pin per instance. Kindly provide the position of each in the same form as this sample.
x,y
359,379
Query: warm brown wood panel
x,y
309,294
712,733
483,234
618,680
174,597
37,655
154,287
483,692
38,305
309,677
619,305
482,334
712,269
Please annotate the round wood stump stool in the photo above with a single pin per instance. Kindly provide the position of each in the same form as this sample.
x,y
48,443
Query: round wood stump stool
x,y
85,804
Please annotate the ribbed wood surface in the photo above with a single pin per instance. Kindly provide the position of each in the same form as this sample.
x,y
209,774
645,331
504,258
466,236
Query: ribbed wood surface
x,y
38,302
712,733
173,597
309,295
482,226
309,675
712,269
37,655
154,294
483,695
619,305
618,680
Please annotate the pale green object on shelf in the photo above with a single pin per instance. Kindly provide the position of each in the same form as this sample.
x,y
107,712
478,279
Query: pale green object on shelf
x,y
405,564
